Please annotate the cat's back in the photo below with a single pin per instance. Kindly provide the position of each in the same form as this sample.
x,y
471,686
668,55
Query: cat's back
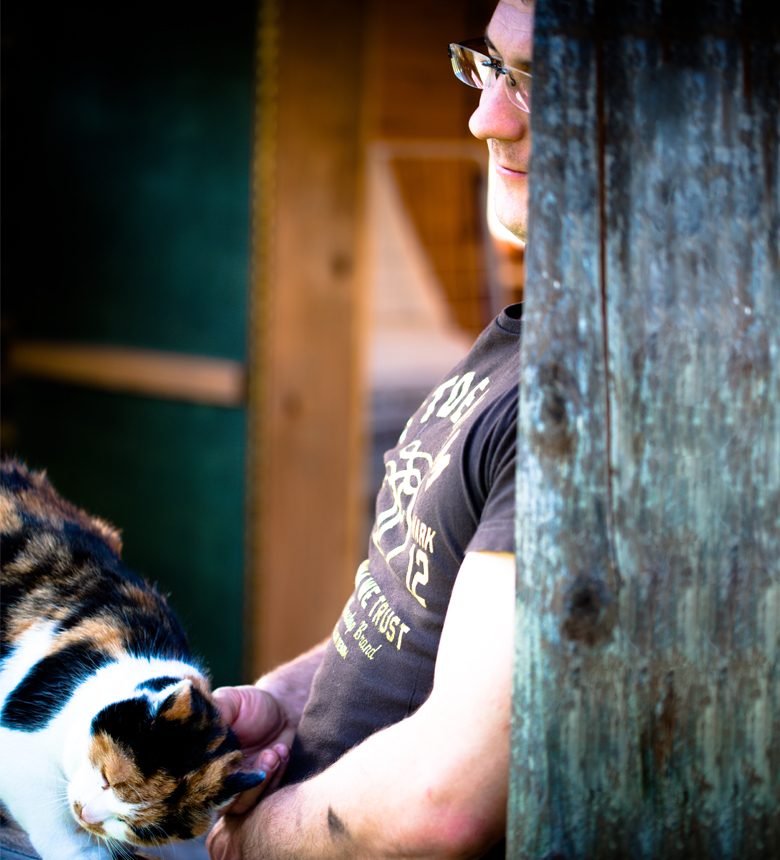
x,y
69,606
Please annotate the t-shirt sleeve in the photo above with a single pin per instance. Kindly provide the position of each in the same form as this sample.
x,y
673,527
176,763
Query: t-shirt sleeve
x,y
495,447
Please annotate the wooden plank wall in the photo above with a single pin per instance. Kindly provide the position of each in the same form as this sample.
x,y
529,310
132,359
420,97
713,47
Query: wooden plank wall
x,y
647,697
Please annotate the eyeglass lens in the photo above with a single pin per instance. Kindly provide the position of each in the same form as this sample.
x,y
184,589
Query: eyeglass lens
x,y
479,70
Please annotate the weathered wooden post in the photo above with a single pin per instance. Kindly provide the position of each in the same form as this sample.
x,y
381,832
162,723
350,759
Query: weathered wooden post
x,y
647,682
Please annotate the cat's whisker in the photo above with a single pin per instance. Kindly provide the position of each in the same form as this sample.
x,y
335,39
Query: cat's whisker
x,y
120,849
98,843
54,802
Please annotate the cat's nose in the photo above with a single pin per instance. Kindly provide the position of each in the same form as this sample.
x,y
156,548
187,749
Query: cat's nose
x,y
84,814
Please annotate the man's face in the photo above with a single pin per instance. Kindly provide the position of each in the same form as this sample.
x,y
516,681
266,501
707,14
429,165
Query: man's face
x,y
504,126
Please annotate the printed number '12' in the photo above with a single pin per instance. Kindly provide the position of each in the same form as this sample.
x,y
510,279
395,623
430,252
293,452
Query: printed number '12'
x,y
416,577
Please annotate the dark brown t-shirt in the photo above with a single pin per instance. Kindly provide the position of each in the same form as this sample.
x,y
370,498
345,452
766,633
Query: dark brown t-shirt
x,y
449,488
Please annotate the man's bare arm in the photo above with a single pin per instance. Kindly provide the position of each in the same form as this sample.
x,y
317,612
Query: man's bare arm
x,y
433,785
291,682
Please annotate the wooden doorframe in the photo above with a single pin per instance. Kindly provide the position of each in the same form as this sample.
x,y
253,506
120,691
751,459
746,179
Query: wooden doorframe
x,y
305,438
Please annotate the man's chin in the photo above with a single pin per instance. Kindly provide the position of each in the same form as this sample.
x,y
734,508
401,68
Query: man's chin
x,y
507,226
513,216
517,227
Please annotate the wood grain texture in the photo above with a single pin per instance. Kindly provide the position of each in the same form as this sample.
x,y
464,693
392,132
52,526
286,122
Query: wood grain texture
x,y
305,429
647,697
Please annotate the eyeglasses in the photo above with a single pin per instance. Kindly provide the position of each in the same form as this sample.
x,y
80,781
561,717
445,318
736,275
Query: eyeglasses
x,y
479,70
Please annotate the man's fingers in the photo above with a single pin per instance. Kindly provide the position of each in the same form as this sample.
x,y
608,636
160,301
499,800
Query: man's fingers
x,y
265,736
253,714
221,843
228,700
272,763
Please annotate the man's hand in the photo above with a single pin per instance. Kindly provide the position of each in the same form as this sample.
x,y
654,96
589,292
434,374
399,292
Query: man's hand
x,y
224,840
265,733
433,785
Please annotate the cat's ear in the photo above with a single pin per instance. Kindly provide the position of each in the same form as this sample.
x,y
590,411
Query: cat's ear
x,y
237,782
184,702
176,705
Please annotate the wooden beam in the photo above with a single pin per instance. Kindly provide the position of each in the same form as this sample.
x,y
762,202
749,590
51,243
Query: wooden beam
x,y
153,373
305,448
646,719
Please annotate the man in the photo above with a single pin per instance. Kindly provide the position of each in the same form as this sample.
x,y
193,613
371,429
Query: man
x,y
401,719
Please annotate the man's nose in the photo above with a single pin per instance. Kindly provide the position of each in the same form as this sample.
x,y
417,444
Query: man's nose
x,y
496,117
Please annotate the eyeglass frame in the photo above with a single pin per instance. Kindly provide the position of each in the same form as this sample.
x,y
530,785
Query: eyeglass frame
x,y
495,66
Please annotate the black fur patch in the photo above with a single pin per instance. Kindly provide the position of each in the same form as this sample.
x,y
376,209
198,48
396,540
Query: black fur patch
x,y
176,747
157,634
48,686
15,478
11,544
126,722
17,586
156,685
159,744
87,547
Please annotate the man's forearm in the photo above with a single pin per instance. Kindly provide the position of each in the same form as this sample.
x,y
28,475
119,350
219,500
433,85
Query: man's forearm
x,y
431,786
400,794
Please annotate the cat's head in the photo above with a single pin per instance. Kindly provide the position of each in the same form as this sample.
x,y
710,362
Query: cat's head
x,y
159,766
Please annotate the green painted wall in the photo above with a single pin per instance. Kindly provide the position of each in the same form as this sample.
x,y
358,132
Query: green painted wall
x,y
126,168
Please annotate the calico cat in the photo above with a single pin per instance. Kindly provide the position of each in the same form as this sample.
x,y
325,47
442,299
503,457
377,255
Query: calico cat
x,y
108,732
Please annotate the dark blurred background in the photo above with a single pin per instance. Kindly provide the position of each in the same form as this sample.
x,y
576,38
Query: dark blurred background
x,y
127,139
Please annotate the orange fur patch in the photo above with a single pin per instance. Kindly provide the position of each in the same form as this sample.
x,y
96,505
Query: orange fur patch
x,y
9,518
115,764
99,632
181,709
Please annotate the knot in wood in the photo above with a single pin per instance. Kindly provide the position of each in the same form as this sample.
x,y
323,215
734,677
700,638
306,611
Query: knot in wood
x,y
553,434
341,265
589,610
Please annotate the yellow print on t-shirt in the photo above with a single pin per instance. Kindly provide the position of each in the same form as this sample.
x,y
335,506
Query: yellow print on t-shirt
x,y
403,479
373,614
397,530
